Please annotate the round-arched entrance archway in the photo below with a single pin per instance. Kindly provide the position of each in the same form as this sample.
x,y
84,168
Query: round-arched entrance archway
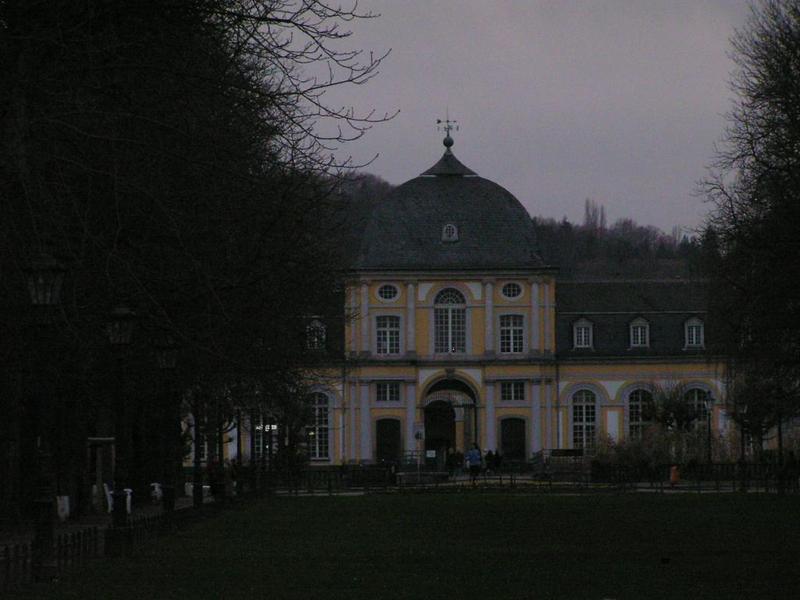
x,y
450,422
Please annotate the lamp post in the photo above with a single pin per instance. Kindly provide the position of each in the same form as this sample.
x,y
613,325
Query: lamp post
x,y
44,278
120,331
167,357
709,415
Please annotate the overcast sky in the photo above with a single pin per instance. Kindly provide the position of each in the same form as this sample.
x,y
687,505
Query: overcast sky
x,y
557,101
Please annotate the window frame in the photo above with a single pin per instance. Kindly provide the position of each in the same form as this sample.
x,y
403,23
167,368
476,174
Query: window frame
x,y
507,284
450,310
387,385
316,335
447,235
318,433
388,286
692,323
387,330
516,333
580,324
580,435
643,324
511,385
639,425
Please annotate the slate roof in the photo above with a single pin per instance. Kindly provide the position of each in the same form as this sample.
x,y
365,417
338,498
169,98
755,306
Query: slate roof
x,y
405,229
611,305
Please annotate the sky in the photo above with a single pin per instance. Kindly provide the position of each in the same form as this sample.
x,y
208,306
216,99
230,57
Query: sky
x,y
557,101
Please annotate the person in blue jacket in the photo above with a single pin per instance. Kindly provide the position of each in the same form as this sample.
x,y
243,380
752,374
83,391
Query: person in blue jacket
x,y
474,462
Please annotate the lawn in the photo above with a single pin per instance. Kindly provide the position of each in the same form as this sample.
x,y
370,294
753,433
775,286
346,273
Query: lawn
x,y
471,545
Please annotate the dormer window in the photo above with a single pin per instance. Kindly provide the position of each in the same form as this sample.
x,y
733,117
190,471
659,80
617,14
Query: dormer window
x,y
695,333
582,335
315,335
449,233
640,333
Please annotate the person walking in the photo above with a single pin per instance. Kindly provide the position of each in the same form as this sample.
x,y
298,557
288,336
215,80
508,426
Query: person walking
x,y
474,463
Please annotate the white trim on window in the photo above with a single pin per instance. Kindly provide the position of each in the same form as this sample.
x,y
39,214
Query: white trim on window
x,y
391,290
511,329
315,335
511,290
694,333
388,330
582,334
639,333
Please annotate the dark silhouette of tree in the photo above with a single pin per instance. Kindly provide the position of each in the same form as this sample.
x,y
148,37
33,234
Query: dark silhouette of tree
x,y
754,190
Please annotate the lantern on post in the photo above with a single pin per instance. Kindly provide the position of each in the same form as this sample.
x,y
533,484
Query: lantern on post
x,y
120,326
45,276
120,332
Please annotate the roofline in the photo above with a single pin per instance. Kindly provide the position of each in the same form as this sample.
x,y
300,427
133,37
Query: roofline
x,y
416,273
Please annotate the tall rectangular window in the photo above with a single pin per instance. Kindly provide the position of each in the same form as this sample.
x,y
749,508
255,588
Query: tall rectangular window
x,y
450,322
265,434
388,391
317,433
511,333
512,391
387,331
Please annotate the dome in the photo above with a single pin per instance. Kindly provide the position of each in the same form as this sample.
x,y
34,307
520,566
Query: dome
x,y
448,218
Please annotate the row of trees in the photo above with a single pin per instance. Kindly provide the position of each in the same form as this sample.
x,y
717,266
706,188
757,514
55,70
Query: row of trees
x,y
754,188
169,164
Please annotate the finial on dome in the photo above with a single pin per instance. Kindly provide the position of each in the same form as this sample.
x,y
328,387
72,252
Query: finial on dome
x,y
447,125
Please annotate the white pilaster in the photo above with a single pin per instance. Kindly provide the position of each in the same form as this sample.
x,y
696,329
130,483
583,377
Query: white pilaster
x,y
351,408
364,318
547,434
547,317
411,415
342,449
535,317
351,320
411,319
491,428
366,424
489,314
536,416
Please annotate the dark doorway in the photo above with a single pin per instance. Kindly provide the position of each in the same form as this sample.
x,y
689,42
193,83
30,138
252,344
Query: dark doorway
x,y
387,438
440,432
512,439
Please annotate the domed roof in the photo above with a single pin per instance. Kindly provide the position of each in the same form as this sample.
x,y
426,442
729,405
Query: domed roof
x,y
410,228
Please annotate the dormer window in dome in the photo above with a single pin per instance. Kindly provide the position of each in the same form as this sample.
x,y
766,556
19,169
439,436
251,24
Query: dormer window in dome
x,y
449,233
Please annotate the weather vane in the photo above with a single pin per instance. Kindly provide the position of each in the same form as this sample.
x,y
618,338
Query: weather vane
x,y
447,125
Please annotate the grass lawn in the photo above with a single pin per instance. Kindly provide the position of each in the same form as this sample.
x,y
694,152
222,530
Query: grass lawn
x,y
470,545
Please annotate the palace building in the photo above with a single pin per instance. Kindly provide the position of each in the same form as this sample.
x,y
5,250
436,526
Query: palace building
x,y
458,333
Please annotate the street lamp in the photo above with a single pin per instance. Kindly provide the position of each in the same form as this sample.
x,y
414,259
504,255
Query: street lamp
x,y
120,331
44,278
709,413
167,358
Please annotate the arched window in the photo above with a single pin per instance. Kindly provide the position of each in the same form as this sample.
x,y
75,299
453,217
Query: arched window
x,y
639,405
584,420
317,433
387,332
450,322
639,333
449,233
582,334
700,402
315,335
695,333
